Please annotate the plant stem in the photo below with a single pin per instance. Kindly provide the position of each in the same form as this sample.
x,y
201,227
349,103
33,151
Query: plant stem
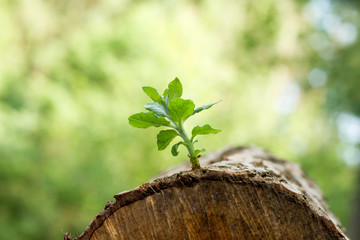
x,y
190,147
188,142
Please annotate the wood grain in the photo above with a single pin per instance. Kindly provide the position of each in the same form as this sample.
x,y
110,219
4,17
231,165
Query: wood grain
x,y
241,193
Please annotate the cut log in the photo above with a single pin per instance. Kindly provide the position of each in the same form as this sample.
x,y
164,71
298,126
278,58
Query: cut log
x,y
240,193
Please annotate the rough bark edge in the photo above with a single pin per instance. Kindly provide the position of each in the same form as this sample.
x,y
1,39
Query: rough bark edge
x,y
190,178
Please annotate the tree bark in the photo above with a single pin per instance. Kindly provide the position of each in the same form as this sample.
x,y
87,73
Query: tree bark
x,y
240,193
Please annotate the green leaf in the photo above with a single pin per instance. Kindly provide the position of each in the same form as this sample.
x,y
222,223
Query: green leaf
x,y
164,138
203,107
204,130
180,109
152,93
165,96
197,151
175,89
174,149
145,120
157,109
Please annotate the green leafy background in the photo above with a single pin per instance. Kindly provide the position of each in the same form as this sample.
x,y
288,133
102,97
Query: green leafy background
x,y
71,74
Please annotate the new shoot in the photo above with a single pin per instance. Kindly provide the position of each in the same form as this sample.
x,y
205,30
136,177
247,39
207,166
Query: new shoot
x,y
171,111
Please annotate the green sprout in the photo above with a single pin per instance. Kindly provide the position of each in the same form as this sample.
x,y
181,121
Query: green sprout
x,y
170,110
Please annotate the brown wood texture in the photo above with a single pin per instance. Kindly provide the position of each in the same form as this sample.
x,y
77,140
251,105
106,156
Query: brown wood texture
x,y
240,193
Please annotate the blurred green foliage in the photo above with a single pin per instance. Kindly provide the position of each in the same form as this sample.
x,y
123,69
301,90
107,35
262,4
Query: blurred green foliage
x,y
70,73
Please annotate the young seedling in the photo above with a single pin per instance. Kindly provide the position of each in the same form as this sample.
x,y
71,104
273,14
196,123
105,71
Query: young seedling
x,y
170,110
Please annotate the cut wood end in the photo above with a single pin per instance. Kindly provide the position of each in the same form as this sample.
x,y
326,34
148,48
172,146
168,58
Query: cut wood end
x,y
240,193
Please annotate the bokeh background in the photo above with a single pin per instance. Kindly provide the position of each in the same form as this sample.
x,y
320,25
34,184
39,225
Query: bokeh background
x,y
287,72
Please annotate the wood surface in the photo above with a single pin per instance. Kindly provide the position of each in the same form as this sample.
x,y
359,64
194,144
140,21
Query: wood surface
x,y
240,193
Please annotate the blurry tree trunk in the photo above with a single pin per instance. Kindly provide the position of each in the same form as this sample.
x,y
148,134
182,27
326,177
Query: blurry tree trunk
x,y
241,193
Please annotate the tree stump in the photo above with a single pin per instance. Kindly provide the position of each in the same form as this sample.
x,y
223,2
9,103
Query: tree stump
x,y
240,193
